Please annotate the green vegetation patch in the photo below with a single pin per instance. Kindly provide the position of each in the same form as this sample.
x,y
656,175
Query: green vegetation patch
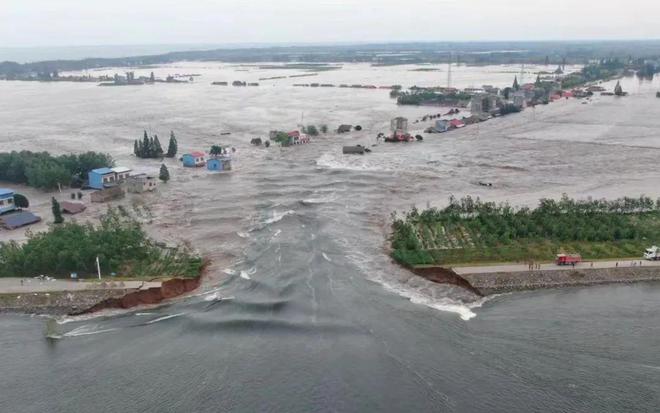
x,y
118,241
603,70
472,231
42,170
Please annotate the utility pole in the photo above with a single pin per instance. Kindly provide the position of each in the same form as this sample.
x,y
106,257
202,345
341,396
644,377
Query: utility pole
x,y
98,267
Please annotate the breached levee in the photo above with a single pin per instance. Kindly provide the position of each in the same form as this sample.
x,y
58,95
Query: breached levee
x,y
168,289
503,282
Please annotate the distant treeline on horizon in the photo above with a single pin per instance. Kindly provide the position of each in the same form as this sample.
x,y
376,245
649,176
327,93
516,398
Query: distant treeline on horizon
x,y
478,53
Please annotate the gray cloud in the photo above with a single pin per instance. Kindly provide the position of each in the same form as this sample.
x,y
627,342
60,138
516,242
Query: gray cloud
x,y
87,22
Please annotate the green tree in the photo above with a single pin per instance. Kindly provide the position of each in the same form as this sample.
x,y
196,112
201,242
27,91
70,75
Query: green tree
x,y
157,149
216,150
324,128
516,86
311,130
164,173
57,211
172,147
21,201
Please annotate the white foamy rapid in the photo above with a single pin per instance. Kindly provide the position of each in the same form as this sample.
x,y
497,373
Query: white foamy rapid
x,y
167,317
278,216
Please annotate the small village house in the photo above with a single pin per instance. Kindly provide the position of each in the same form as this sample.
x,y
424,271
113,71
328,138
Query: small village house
x,y
222,163
140,183
72,208
109,193
6,200
344,128
297,138
399,124
100,177
194,159
441,125
121,173
456,124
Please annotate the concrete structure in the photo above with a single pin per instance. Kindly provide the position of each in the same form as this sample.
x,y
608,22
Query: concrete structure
x,y
121,173
100,177
138,184
194,159
18,219
344,128
6,200
72,207
483,103
441,125
222,163
399,124
109,193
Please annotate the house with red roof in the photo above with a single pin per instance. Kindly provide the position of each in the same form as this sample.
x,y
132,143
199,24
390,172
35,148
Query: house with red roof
x,y
456,123
194,159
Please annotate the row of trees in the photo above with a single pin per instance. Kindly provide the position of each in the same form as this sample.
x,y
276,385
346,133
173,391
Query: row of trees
x,y
150,147
604,69
119,241
42,170
472,224
429,97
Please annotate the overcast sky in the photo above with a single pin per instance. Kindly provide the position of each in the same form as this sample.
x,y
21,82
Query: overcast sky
x,y
92,22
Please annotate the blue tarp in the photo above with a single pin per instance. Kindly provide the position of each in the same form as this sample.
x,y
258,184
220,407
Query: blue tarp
x,y
18,219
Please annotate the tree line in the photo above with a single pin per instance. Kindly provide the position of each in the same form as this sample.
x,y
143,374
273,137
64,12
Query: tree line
x,y
42,170
150,147
118,241
485,226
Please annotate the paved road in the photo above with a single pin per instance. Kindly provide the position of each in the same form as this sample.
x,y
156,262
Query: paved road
x,y
553,267
13,285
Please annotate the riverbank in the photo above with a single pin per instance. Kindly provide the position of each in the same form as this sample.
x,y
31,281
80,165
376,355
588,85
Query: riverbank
x,y
58,297
491,281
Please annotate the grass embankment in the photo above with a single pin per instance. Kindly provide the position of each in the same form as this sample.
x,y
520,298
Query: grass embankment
x,y
118,241
471,231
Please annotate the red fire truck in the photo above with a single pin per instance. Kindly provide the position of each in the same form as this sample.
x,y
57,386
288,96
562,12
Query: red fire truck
x,y
568,259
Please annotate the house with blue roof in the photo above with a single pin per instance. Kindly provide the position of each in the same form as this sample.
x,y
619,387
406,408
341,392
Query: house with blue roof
x,y
6,200
100,177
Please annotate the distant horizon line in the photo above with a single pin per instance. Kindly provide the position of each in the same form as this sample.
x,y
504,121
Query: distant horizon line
x,y
329,43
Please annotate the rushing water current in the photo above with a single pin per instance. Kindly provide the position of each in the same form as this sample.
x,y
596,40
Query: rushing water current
x,y
303,310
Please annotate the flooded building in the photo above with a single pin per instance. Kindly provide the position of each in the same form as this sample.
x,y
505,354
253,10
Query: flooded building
x,y
194,159
399,124
100,177
221,163
138,184
6,201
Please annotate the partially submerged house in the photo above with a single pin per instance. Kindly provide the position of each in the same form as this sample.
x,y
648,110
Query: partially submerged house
x,y
194,159
100,177
297,138
344,128
441,125
109,193
6,200
456,124
121,173
18,219
399,124
140,183
72,207
221,163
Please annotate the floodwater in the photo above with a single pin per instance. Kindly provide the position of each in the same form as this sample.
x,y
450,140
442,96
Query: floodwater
x,y
303,310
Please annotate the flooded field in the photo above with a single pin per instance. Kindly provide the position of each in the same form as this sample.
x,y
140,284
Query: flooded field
x,y
289,315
